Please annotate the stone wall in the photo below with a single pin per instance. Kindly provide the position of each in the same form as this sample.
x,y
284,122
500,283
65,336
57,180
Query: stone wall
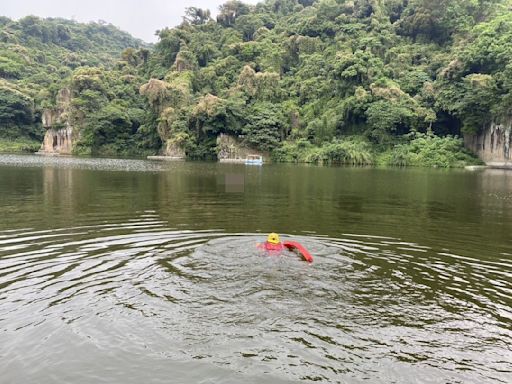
x,y
493,144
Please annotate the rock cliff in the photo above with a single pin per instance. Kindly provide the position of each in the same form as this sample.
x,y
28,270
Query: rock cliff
x,y
493,144
59,137
231,148
173,149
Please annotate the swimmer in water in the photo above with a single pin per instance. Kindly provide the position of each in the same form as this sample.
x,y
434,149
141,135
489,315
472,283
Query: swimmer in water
x,y
274,245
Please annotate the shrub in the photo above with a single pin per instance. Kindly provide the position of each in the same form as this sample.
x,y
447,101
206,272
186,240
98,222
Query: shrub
x,y
428,150
351,150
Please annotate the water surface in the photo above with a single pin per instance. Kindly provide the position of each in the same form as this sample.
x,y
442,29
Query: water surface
x,y
133,271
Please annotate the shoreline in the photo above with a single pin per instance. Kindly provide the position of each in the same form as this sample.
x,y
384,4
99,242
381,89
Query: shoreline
x,y
163,159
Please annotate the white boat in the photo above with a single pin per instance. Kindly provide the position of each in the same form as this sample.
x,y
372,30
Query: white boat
x,y
254,160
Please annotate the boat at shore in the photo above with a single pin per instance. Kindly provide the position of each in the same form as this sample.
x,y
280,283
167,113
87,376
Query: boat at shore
x,y
254,160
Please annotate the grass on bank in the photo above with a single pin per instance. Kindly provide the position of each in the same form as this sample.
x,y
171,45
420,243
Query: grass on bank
x,y
419,150
19,145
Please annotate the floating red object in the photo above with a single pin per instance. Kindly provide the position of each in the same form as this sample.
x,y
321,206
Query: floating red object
x,y
290,245
294,246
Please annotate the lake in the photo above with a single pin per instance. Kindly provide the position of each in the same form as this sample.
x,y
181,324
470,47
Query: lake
x,y
130,271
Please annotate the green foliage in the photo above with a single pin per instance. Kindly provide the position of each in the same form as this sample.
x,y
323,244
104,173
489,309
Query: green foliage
x,y
418,150
346,151
109,113
438,20
230,11
17,115
427,150
37,58
11,66
19,145
476,87
197,16
472,101
15,106
265,126
292,77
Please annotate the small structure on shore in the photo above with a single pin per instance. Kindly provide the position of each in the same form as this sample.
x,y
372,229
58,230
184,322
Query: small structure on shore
x,y
231,150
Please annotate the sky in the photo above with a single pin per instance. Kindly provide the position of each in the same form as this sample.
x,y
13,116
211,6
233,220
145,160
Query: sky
x,y
141,18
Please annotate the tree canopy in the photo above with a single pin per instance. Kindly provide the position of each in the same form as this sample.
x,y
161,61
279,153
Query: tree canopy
x,y
274,73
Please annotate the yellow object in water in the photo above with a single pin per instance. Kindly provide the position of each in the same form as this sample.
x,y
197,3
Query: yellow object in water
x,y
273,238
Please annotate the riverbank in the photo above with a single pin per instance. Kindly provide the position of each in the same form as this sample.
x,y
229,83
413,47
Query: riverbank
x,y
418,150
19,146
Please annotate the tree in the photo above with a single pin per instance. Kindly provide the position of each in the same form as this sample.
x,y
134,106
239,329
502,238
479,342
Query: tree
x,y
197,16
15,107
471,101
265,126
230,11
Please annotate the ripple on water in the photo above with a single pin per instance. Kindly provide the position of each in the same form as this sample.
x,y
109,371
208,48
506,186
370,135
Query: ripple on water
x,y
206,304
101,164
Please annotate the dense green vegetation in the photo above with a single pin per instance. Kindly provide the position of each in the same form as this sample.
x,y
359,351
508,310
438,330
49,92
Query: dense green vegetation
x,y
19,145
40,56
358,82
415,149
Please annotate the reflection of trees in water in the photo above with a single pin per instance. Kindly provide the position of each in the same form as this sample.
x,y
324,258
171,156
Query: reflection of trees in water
x,y
425,206
325,200
496,201
497,184
58,190
68,194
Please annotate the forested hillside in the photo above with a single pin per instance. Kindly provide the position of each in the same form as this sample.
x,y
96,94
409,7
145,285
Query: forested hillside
x,y
38,57
364,81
